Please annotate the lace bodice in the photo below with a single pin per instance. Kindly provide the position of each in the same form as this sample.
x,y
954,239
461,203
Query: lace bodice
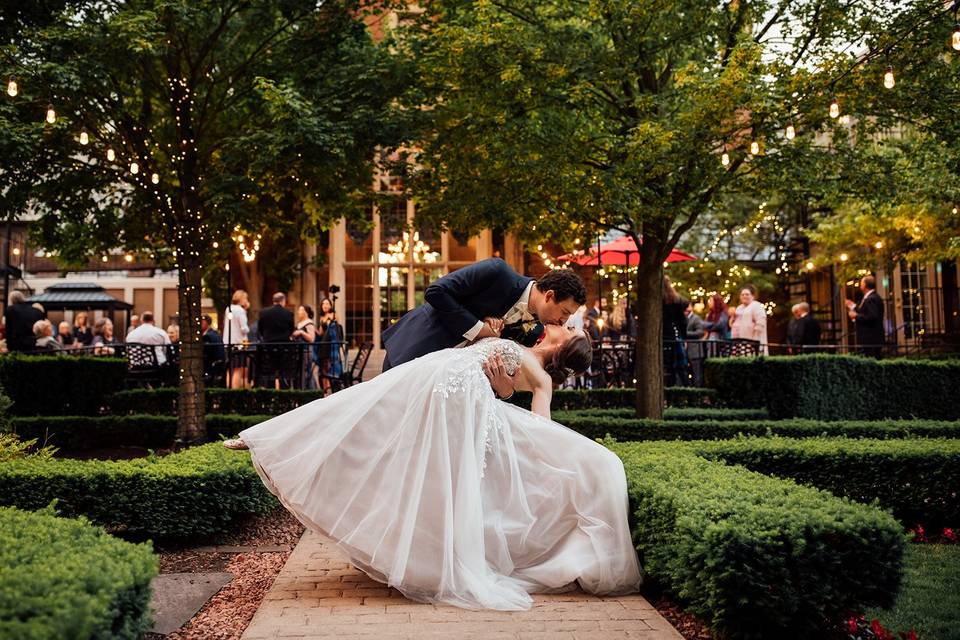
x,y
510,351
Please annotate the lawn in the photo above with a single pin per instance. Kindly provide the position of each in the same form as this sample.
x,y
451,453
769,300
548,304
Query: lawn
x,y
929,601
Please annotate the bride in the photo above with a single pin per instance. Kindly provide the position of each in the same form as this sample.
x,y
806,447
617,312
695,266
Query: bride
x,y
436,488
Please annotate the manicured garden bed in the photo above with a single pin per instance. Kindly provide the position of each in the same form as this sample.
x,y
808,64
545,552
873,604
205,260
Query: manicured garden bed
x,y
64,578
760,557
198,491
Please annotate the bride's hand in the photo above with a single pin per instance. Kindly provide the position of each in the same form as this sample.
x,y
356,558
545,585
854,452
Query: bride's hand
x,y
503,384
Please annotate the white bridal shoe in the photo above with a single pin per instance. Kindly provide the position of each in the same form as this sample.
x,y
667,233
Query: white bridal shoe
x,y
235,443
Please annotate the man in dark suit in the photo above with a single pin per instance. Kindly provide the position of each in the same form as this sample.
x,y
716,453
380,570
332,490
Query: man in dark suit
x,y
475,302
276,323
868,318
20,317
214,354
803,330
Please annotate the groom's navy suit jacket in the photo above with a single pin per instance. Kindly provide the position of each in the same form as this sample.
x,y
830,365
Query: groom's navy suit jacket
x,y
454,304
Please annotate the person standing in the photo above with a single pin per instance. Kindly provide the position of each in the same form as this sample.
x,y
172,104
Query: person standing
x,y
20,317
275,328
276,323
868,318
749,320
236,333
803,330
717,322
214,355
305,334
674,335
81,330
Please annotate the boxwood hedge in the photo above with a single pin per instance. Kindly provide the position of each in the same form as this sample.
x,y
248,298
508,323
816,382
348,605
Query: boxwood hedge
x,y
832,387
199,491
63,578
918,479
759,557
59,385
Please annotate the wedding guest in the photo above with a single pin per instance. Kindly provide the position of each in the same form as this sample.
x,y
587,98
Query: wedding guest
x,y
173,332
327,348
275,323
803,330
148,333
19,319
65,336
134,323
81,331
104,343
750,318
214,354
306,333
717,322
43,336
696,328
674,334
236,331
868,318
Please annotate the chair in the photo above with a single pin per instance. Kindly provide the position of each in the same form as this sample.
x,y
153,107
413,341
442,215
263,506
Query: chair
x,y
355,374
143,367
739,347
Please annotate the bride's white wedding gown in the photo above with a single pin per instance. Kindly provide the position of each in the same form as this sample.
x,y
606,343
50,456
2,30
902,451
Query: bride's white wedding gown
x,y
433,486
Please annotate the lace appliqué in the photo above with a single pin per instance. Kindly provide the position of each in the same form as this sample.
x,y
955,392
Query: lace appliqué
x,y
469,374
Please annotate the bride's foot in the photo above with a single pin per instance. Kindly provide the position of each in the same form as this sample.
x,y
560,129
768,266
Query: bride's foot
x,y
235,443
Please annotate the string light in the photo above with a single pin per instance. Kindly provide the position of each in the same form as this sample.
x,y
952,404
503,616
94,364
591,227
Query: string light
x,y
111,155
834,108
104,258
955,41
791,132
878,244
844,257
128,257
809,266
84,137
755,147
155,178
888,80
725,159
134,168
12,88
51,114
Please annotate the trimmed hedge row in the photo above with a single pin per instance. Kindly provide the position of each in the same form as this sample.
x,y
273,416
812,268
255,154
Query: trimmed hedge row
x,y
60,385
273,402
199,491
678,413
919,480
759,557
638,429
831,387
62,578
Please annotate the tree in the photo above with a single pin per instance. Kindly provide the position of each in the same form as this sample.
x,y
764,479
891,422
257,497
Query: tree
x,y
560,118
176,122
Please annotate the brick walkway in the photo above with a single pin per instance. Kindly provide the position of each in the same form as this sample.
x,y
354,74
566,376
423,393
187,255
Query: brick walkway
x,y
319,595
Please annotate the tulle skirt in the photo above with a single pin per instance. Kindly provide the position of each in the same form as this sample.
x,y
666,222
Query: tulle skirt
x,y
436,488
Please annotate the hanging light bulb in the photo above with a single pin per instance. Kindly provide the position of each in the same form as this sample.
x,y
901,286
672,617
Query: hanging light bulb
x,y
955,41
844,257
111,155
84,137
12,88
810,266
755,147
155,178
834,108
104,258
725,159
51,114
791,132
888,80
878,244
134,168
128,258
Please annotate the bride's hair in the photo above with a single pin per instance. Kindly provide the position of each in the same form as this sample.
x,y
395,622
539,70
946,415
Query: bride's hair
x,y
573,358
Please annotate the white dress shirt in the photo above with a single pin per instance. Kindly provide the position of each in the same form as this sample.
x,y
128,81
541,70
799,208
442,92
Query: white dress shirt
x,y
148,333
519,312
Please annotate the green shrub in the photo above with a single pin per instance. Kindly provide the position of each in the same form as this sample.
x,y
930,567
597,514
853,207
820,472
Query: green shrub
x,y
759,557
69,580
198,491
273,402
686,414
60,385
594,426
830,387
919,480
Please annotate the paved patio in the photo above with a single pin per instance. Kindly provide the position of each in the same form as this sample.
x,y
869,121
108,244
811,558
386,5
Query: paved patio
x,y
318,594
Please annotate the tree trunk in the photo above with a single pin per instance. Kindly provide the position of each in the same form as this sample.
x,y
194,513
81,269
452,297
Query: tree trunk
x,y
649,348
191,426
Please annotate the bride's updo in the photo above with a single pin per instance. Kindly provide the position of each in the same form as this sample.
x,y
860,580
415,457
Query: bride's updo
x,y
572,358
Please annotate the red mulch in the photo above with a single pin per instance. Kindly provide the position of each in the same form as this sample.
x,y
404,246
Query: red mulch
x,y
689,626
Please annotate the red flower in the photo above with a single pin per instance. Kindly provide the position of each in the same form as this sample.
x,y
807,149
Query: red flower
x,y
879,631
852,626
950,534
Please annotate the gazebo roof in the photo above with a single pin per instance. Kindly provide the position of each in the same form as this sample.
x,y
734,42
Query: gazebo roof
x,y
78,295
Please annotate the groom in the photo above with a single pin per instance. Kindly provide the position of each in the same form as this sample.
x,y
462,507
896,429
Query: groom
x,y
473,302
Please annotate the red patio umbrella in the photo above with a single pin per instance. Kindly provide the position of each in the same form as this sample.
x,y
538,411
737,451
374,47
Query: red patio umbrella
x,y
622,252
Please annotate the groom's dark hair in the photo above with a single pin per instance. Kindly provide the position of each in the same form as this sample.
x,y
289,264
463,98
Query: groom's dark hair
x,y
565,284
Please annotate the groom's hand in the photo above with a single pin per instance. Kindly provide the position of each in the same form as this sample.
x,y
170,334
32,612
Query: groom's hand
x,y
491,328
503,383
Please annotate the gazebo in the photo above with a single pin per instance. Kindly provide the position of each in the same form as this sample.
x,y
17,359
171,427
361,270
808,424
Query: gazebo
x,y
80,296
